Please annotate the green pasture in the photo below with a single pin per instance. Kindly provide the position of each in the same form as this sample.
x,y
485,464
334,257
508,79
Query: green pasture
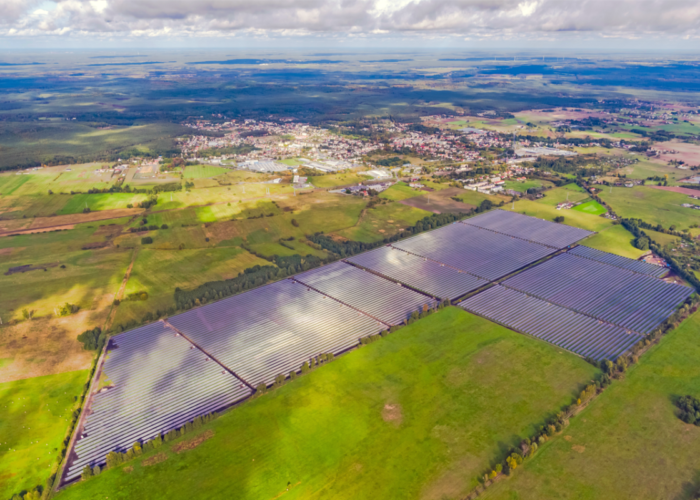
x,y
523,186
36,413
87,277
571,192
400,191
77,203
475,198
418,414
614,239
335,180
383,221
628,443
647,168
548,211
159,272
591,207
654,206
204,171
662,238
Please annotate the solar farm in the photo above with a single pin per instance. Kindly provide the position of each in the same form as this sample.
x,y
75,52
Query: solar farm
x,y
160,376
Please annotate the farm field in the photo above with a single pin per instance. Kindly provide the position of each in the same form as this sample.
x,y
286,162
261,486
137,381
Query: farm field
x,y
523,186
654,206
335,180
475,198
383,221
36,413
159,272
400,191
590,207
548,211
614,239
203,171
443,391
605,451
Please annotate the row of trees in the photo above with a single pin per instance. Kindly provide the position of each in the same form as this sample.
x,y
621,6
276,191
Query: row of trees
x,y
116,458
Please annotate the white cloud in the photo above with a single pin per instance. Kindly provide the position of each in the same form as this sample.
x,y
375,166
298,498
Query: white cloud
x,y
475,19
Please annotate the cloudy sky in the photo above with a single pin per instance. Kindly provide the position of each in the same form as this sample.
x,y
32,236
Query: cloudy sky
x,y
643,24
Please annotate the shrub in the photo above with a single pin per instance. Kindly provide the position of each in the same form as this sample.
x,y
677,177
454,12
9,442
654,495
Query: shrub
x,y
559,218
147,240
295,223
93,340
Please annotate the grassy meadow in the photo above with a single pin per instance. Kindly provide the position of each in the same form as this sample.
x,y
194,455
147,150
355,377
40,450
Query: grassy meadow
x,y
628,443
614,239
36,413
417,415
654,206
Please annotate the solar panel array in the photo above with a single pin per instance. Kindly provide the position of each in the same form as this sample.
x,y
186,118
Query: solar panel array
x,y
528,228
159,381
557,325
273,329
625,298
420,273
382,299
618,261
477,251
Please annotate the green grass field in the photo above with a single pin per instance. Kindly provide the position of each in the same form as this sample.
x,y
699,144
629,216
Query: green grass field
x,y
590,207
400,191
545,210
204,171
475,198
628,443
614,239
36,413
335,180
654,206
382,221
417,415
523,186
159,272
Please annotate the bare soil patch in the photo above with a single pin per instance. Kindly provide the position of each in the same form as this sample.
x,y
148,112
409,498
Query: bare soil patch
x,y
578,448
193,443
155,459
439,202
392,413
681,190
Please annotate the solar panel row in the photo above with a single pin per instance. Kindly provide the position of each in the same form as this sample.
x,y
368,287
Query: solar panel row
x,y
618,261
528,228
575,332
274,329
382,299
157,381
477,251
420,273
625,298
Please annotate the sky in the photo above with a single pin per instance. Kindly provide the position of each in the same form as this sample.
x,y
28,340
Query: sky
x,y
537,24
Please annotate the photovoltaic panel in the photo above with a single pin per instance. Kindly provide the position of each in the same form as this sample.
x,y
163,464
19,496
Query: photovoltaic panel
x,y
557,325
618,261
382,299
420,273
477,251
156,381
625,298
528,228
273,329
